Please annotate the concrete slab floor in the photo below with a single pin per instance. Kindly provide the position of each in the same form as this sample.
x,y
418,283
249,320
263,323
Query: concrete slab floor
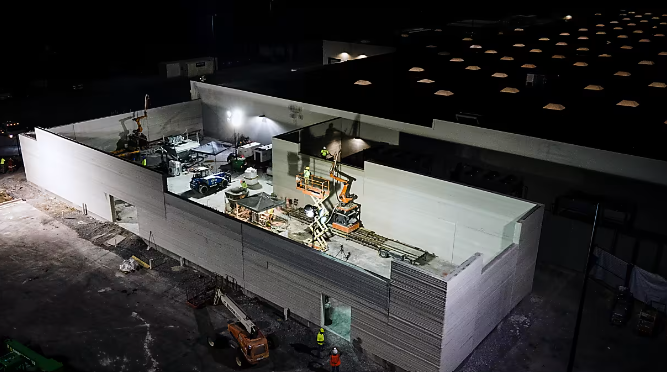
x,y
70,302
180,185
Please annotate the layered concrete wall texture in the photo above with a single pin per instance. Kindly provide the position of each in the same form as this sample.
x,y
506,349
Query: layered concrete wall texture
x,y
217,101
105,133
415,321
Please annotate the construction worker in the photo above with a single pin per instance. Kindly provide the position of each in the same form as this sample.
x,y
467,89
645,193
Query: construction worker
x,y
2,165
334,360
320,343
143,162
271,215
244,185
306,175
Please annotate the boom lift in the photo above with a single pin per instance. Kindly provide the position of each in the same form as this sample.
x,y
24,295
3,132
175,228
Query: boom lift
x,y
346,214
138,139
252,344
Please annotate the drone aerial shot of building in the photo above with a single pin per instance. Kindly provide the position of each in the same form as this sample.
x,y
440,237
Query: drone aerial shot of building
x,y
410,195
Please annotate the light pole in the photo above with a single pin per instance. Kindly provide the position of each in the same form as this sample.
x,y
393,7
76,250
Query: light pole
x,y
575,337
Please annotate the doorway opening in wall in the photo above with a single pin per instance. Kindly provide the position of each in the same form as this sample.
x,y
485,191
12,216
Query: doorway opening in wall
x,y
124,214
337,316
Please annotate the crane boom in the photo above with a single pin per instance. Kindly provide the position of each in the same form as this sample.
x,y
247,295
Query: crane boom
x,y
248,324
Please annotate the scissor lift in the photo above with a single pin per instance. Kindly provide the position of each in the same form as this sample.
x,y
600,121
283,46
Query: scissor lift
x,y
318,189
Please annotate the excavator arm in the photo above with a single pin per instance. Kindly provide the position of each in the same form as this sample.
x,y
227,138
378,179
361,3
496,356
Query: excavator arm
x,y
344,195
144,116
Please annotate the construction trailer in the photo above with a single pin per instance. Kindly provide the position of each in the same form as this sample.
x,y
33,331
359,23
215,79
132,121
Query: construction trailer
x,y
425,317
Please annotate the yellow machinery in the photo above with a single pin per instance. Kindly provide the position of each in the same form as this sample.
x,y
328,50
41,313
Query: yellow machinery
x,y
318,189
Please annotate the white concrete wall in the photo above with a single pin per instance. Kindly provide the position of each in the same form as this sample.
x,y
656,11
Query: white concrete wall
x,y
218,100
634,167
480,296
104,133
450,220
334,49
83,175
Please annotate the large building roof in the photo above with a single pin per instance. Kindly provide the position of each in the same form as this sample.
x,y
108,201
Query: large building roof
x,y
599,80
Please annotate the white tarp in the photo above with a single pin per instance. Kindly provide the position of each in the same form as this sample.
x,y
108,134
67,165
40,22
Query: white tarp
x,y
609,268
647,286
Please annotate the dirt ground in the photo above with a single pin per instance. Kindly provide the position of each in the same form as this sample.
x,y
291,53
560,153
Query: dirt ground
x,y
63,295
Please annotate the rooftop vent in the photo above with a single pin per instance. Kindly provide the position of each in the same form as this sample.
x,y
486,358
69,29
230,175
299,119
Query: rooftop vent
x,y
645,41
473,68
594,87
416,69
648,63
656,84
554,106
445,93
490,51
475,47
622,73
528,65
558,56
583,29
362,82
500,75
583,38
626,47
507,58
564,34
443,53
627,103
456,59
561,43
600,33
519,45
509,90
426,81
536,51
604,55
544,39
581,64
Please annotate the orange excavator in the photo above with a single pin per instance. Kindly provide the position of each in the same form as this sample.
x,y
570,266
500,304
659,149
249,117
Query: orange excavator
x,y
346,215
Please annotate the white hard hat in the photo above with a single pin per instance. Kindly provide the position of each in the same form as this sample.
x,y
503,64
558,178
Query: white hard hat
x,y
335,351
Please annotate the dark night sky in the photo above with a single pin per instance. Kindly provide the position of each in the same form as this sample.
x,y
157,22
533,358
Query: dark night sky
x,y
108,38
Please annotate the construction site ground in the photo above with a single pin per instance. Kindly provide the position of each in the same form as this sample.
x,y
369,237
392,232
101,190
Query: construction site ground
x,y
63,295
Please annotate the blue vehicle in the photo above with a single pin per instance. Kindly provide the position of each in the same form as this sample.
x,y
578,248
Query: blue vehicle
x,y
203,181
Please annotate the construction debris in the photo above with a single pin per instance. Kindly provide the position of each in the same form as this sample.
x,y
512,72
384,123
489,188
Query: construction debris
x,y
129,265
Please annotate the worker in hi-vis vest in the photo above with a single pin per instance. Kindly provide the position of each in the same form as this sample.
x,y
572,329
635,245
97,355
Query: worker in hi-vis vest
x,y
306,175
334,360
320,342
324,152
2,165
143,162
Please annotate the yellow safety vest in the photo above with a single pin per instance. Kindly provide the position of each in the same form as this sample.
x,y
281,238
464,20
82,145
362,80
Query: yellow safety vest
x,y
2,161
143,162
306,174
320,338
324,152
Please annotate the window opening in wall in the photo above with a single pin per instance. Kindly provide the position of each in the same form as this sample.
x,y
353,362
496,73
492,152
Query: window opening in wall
x,y
124,214
337,316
